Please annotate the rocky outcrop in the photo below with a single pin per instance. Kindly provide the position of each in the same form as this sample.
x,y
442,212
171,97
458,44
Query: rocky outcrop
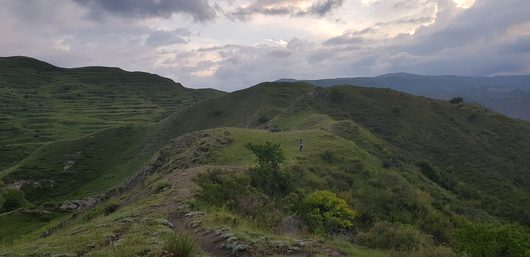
x,y
79,205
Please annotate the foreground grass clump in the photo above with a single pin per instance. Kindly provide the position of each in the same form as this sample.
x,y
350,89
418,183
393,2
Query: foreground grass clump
x,y
180,245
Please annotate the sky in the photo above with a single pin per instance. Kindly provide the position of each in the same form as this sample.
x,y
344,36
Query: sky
x,y
233,44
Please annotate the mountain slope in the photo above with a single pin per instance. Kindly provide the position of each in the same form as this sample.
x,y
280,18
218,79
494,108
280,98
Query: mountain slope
x,y
509,95
392,156
484,155
42,103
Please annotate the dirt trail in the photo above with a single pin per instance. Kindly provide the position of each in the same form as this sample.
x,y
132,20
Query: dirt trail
x,y
182,180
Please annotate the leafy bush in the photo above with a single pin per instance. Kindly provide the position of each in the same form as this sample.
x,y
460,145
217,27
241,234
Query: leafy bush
x,y
13,199
269,156
393,236
267,175
180,245
324,211
482,240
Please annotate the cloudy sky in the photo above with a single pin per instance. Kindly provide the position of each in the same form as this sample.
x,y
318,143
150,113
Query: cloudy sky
x,y
231,44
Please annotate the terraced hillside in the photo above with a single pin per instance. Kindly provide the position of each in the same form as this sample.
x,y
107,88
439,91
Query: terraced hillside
x,y
41,103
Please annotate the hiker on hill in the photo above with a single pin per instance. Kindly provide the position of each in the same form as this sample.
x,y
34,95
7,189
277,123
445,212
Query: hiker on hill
x,y
301,145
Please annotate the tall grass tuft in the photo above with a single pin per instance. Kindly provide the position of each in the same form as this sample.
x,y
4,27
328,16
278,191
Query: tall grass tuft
x,y
180,245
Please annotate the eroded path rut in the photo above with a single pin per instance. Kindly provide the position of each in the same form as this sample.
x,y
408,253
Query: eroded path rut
x,y
182,180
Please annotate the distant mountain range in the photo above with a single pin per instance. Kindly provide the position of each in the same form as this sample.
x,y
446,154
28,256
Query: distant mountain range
x,y
509,95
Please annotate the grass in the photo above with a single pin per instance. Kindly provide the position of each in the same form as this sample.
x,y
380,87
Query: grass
x,y
132,230
84,166
21,222
180,245
358,251
315,143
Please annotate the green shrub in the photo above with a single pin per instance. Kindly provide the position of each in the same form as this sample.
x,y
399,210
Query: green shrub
x,y
219,188
267,175
268,156
483,240
13,199
324,211
393,236
180,245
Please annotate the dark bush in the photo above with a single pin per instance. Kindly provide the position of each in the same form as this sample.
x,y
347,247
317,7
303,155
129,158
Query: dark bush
x,y
328,156
13,199
263,119
111,208
429,171
456,100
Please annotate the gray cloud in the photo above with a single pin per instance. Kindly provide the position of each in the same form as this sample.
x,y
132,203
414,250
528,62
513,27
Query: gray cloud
x,y
285,7
164,37
460,42
200,10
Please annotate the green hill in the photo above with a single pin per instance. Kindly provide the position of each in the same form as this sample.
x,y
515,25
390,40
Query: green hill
x,y
413,170
42,103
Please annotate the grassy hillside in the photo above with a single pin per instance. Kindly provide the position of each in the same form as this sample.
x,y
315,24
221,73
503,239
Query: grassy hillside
x,y
139,226
393,158
42,103
485,151
509,95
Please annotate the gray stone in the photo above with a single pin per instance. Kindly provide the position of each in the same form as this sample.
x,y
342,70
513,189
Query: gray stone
x,y
293,249
279,243
194,214
303,242
166,223
194,224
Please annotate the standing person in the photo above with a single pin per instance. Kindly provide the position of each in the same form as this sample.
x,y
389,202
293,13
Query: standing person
x,y
301,145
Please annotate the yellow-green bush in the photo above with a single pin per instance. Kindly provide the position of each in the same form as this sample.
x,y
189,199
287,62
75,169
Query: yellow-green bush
x,y
323,211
